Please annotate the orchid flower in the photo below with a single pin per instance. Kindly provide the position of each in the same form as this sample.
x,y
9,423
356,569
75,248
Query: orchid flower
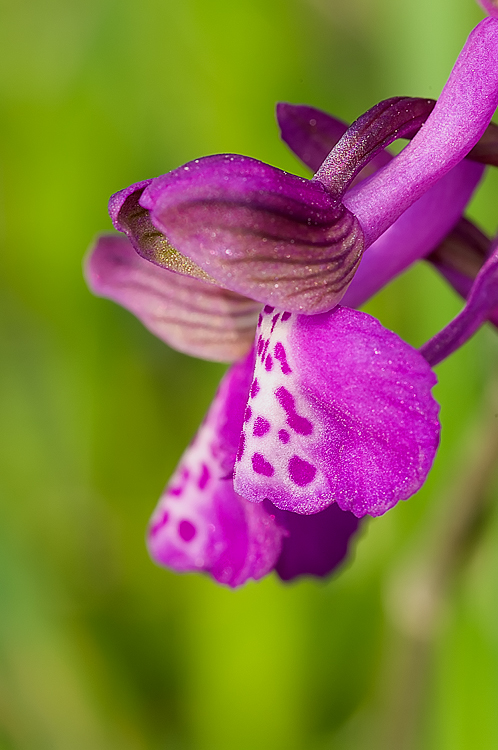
x,y
325,416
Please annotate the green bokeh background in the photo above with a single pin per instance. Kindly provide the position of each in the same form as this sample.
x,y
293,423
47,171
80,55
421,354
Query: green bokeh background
x,y
100,649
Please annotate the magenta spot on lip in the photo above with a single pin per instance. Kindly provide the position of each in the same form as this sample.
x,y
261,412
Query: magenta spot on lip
x,y
186,530
284,436
254,388
261,466
162,521
301,472
286,316
260,319
268,309
261,427
205,476
274,321
247,414
279,352
242,445
297,423
265,349
176,491
261,343
301,425
268,363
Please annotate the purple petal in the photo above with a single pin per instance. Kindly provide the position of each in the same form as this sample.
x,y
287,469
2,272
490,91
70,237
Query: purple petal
x,y
272,236
399,117
340,410
315,544
490,6
460,257
200,523
458,120
482,300
117,201
190,315
311,134
418,231
130,217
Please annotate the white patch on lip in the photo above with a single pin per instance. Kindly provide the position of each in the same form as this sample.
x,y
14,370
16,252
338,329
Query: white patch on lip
x,y
274,457
186,504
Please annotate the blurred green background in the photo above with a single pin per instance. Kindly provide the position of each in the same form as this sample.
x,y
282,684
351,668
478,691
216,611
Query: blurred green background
x,y
98,647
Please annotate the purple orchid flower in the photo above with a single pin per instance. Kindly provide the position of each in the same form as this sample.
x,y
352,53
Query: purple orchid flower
x,y
328,417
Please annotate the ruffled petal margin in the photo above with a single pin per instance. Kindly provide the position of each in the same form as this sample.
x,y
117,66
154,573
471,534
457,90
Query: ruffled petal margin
x,y
340,410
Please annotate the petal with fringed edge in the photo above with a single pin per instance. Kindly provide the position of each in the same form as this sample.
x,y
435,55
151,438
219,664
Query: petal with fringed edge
x,y
192,316
340,410
200,523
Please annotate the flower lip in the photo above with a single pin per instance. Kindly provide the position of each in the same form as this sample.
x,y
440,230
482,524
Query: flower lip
x,y
264,233
351,418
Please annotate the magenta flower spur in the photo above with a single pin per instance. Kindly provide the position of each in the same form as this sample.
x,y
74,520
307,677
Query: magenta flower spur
x,y
326,416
